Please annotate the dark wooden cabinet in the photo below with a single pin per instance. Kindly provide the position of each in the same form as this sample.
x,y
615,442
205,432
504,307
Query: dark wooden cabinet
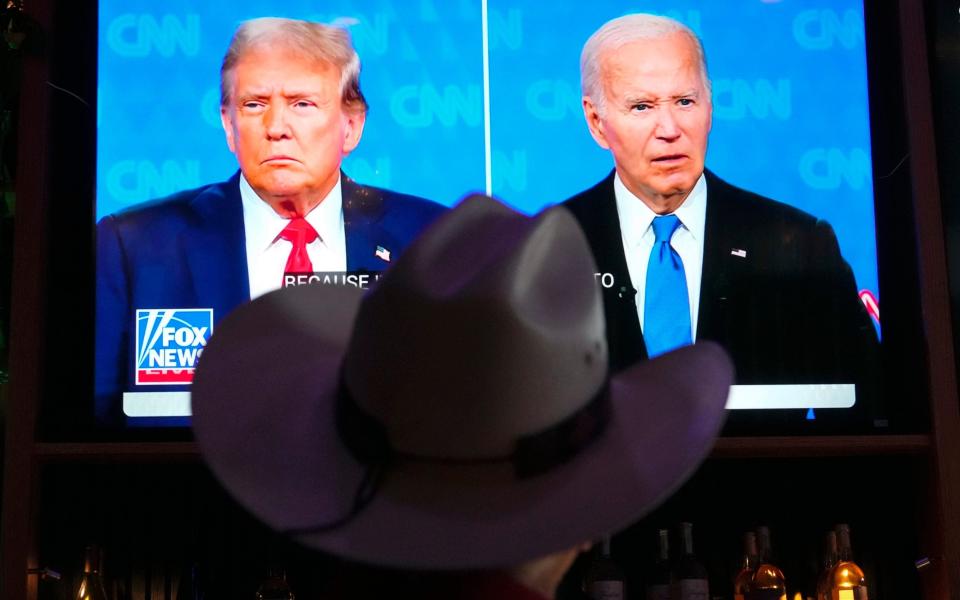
x,y
156,510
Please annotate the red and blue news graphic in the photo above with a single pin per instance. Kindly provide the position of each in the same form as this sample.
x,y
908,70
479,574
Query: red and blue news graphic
x,y
169,343
871,303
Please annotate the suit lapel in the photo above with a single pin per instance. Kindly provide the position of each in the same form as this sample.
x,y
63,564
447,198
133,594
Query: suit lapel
x,y
597,212
606,236
216,249
363,208
725,254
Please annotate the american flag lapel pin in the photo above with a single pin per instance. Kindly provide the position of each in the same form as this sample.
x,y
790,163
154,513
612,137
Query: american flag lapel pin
x,y
738,252
382,253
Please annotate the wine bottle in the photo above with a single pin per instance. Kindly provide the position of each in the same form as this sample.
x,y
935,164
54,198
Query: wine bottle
x,y
741,583
275,586
690,577
659,578
846,578
191,585
91,582
768,582
604,579
829,560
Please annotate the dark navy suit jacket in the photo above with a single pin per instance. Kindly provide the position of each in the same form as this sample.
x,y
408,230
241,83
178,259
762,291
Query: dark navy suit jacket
x,y
188,251
775,291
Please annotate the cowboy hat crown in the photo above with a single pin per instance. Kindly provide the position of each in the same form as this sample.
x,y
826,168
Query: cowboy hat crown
x,y
489,329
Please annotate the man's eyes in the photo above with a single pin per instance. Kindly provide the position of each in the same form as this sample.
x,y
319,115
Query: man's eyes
x,y
258,106
645,106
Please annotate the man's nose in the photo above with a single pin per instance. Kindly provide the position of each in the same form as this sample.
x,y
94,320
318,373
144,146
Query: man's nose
x,y
275,122
667,128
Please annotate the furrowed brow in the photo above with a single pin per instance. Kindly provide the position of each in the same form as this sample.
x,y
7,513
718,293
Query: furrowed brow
x,y
639,99
288,94
692,93
255,93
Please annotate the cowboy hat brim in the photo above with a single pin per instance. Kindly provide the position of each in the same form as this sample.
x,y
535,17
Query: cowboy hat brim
x,y
263,413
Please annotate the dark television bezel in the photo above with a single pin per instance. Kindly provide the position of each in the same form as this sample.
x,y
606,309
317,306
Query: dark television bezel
x,y
68,326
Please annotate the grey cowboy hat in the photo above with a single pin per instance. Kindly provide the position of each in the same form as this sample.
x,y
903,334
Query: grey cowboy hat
x,y
458,415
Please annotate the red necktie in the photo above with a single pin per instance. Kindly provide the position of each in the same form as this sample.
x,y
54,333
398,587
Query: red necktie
x,y
299,233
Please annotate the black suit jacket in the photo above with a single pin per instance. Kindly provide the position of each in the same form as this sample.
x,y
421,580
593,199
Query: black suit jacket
x,y
775,291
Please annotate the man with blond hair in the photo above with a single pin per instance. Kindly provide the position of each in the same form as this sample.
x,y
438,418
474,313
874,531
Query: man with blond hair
x,y
691,256
292,109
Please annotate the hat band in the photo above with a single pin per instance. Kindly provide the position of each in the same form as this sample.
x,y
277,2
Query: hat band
x,y
366,438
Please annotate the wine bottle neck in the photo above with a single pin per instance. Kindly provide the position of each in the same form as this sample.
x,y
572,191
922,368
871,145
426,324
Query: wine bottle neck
x,y
686,530
750,555
843,541
763,543
830,551
91,560
664,545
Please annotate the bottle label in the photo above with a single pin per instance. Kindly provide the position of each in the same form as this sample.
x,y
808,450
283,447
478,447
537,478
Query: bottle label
x,y
762,594
859,593
605,590
694,589
658,592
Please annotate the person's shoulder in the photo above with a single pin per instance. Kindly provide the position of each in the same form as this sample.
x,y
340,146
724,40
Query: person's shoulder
x,y
755,207
594,208
382,202
398,200
586,200
177,207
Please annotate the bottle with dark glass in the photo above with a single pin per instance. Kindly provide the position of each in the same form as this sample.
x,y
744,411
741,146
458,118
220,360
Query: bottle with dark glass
x,y
659,578
91,582
751,559
275,586
604,579
846,578
689,576
768,581
192,585
830,554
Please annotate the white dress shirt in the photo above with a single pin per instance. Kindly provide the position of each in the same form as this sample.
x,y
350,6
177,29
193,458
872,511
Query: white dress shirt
x,y
636,219
267,253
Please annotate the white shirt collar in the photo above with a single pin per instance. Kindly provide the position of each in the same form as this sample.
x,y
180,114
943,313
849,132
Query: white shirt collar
x,y
262,224
692,213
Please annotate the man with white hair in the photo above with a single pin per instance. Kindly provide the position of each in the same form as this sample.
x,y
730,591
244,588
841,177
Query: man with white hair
x,y
693,257
291,109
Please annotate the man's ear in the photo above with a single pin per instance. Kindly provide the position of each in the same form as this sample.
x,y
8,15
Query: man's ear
x,y
594,122
709,114
353,129
227,121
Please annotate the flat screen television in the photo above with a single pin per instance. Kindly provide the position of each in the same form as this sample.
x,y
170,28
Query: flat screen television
x,y
484,96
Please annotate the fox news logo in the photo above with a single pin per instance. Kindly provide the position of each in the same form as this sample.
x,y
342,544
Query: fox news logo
x,y
169,343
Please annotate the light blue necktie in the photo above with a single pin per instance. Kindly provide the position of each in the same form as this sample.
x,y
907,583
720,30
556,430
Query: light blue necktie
x,y
666,310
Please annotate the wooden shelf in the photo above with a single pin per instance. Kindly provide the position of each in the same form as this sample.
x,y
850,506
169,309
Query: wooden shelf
x,y
117,452
815,446
727,447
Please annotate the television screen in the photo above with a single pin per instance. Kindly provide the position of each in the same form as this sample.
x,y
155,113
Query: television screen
x,y
485,96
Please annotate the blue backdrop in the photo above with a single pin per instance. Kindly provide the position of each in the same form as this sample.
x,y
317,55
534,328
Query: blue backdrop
x,y
789,92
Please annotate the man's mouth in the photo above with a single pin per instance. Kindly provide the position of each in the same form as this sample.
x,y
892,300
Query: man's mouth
x,y
279,158
669,158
